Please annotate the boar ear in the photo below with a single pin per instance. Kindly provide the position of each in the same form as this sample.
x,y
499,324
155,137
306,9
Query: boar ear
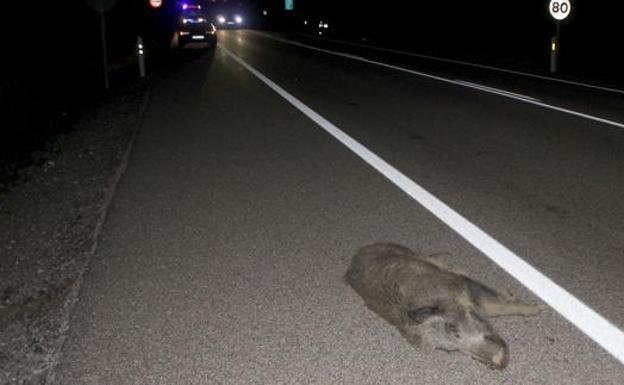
x,y
419,315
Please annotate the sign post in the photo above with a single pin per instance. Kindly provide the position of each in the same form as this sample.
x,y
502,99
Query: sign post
x,y
101,6
559,10
104,50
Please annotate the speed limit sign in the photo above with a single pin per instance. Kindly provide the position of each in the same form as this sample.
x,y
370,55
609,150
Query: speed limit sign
x,y
559,9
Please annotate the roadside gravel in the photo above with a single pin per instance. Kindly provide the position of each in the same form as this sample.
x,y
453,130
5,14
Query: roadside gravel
x,y
49,221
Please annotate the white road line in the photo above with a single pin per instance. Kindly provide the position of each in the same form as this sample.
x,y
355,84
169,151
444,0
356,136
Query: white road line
x,y
479,87
586,319
496,90
469,64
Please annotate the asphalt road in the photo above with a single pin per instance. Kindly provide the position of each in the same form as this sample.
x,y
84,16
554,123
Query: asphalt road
x,y
222,256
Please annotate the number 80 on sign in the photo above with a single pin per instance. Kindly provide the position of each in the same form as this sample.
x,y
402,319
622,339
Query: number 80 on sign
x,y
559,9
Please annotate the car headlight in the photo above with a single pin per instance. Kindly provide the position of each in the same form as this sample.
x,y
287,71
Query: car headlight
x,y
221,19
238,19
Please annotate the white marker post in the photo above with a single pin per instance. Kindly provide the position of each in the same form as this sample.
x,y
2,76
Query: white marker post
x,y
559,10
141,56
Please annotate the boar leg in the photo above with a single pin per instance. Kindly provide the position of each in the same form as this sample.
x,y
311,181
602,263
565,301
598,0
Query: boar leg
x,y
412,336
493,304
498,308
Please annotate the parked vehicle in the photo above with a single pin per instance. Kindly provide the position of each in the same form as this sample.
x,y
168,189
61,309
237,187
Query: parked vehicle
x,y
194,27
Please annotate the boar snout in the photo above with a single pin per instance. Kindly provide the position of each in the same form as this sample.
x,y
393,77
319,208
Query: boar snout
x,y
454,327
491,350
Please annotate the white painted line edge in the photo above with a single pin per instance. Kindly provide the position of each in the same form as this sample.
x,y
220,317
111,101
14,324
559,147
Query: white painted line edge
x,y
475,86
496,90
596,327
469,64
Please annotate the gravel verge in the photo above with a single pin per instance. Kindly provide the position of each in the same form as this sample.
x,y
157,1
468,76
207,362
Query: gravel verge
x,y
49,222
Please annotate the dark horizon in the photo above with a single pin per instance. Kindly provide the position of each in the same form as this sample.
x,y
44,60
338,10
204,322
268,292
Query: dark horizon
x,y
62,67
482,31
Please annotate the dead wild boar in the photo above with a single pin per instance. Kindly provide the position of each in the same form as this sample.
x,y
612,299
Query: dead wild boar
x,y
432,305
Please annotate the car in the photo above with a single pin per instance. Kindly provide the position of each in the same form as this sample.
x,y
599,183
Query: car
x,y
229,19
194,27
320,26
